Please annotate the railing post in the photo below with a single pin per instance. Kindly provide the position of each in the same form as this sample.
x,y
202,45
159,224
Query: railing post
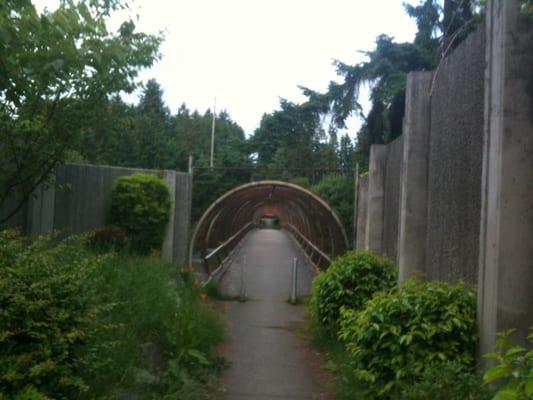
x,y
190,166
294,294
242,293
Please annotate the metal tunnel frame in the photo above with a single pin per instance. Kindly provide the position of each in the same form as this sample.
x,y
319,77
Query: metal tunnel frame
x,y
308,218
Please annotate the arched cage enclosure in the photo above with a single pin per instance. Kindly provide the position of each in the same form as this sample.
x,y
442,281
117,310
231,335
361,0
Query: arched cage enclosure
x,y
309,219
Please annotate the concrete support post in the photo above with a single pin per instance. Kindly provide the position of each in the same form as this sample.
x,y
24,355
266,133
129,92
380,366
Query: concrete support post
x,y
190,167
40,219
391,200
168,243
414,184
505,298
183,205
362,206
242,289
294,281
376,194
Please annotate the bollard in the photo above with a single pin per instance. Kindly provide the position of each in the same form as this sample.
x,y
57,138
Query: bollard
x,y
294,294
242,292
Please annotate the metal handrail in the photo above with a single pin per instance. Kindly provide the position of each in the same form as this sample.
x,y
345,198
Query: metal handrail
x,y
308,244
226,249
227,242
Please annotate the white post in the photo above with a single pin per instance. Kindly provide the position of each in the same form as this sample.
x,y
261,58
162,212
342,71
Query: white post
x,y
242,294
211,161
294,294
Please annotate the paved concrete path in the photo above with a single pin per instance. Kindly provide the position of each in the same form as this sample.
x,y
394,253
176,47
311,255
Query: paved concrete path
x,y
269,359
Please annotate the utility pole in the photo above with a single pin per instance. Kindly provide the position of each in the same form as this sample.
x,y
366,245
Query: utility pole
x,y
211,163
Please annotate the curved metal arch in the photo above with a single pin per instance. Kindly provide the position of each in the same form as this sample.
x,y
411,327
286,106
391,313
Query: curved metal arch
x,y
237,207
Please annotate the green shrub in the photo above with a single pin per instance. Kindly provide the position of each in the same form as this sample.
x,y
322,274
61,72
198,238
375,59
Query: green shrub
x,y
108,238
513,370
48,309
397,334
350,281
446,380
74,325
140,204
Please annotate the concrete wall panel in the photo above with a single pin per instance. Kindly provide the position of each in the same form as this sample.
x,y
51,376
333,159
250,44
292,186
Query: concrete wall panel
x,y
81,198
376,194
83,195
391,202
505,297
182,217
455,158
413,203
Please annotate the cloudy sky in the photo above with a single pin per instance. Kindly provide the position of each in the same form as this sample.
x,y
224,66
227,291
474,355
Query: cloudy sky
x,y
249,53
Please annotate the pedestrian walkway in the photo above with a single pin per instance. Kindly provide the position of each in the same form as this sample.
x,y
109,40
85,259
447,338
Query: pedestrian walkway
x,y
269,358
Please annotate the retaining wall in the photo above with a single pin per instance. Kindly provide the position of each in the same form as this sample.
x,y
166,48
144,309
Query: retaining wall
x,y
462,206
505,295
413,193
79,201
455,154
391,212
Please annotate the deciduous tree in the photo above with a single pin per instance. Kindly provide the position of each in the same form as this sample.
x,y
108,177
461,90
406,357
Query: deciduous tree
x,y
56,67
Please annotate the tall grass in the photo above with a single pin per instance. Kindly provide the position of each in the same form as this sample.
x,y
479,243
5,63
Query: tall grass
x,y
80,325
164,336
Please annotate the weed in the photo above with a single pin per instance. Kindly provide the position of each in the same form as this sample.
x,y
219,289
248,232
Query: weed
x,y
79,325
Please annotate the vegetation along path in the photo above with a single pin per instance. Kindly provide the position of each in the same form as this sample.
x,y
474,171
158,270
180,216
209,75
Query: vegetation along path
x,y
269,359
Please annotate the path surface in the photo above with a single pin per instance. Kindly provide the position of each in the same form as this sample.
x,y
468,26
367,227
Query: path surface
x,y
270,360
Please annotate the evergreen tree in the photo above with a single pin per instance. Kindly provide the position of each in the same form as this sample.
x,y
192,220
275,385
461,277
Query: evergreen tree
x,y
154,129
346,153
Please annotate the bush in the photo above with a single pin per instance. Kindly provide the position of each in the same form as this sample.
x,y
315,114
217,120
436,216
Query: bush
x,y
140,205
397,334
513,370
109,238
48,309
74,325
446,380
350,281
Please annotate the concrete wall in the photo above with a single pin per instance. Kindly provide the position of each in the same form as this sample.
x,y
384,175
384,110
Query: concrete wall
x,y
505,298
81,198
465,191
83,195
380,194
391,203
40,211
182,217
455,154
375,200
414,183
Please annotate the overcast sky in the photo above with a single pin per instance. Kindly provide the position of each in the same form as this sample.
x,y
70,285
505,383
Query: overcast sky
x,y
249,53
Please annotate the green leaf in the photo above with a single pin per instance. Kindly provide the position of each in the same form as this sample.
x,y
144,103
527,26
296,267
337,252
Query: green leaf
x,y
529,388
496,372
506,394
